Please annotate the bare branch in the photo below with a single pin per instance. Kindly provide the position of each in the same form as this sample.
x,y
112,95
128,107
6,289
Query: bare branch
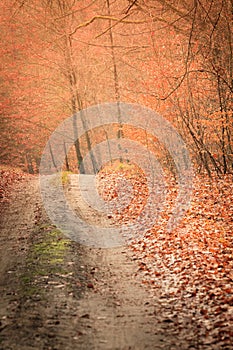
x,y
103,17
130,6
187,58
75,11
111,26
135,47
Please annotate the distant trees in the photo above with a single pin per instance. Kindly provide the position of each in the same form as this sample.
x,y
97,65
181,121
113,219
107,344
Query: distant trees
x,y
62,56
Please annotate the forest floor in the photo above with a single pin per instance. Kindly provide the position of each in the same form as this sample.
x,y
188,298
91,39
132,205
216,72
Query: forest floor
x,y
155,294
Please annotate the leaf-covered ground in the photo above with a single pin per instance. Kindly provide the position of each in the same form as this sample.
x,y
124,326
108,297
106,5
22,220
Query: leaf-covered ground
x,y
9,177
189,271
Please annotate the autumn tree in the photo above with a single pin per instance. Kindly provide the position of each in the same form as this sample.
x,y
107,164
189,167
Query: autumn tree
x,y
204,29
63,56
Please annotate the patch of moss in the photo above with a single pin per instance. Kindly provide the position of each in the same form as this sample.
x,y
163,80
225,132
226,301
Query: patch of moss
x,y
26,279
65,177
46,258
60,178
124,167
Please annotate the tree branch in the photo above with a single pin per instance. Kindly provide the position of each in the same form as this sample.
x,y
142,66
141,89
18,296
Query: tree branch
x,y
103,17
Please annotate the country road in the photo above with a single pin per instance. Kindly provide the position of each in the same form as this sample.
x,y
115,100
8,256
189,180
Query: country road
x,y
57,294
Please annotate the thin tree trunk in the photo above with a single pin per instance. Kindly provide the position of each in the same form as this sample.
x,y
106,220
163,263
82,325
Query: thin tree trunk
x,y
66,157
52,157
116,79
77,107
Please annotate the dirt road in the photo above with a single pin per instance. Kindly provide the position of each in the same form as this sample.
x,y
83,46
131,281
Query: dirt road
x,y
57,294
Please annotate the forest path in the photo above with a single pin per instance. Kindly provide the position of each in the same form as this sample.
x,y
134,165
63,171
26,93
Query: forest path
x,y
58,294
